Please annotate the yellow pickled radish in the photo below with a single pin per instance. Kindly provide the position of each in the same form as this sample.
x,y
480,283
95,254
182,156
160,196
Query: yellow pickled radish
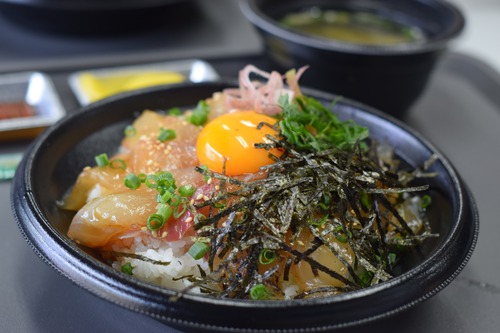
x,y
99,87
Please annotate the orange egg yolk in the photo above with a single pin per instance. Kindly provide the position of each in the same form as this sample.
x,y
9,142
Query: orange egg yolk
x,y
231,138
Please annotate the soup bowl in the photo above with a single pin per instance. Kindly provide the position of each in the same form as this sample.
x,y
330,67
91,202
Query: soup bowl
x,y
54,160
389,77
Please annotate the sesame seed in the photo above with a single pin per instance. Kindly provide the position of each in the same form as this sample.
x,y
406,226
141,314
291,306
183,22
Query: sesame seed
x,y
189,219
199,197
206,198
164,234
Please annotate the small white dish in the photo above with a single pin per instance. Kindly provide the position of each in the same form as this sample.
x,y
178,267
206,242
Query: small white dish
x,y
35,92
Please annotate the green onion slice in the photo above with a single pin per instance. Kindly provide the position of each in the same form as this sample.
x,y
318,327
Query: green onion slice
x,y
341,238
155,222
199,116
165,178
118,164
258,292
127,268
198,250
179,210
186,190
174,112
425,201
102,160
151,181
165,197
267,256
165,211
166,135
132,181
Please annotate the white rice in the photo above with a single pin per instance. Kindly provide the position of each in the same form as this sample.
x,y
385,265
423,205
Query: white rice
x,y
290,290
182,264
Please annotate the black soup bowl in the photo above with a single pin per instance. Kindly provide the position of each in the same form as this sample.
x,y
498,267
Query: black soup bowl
x,y
389,77
56,157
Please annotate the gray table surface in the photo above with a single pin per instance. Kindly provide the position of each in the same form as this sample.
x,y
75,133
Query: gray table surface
x,y
459,112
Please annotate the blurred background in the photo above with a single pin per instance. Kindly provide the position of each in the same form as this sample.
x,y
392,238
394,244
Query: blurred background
x,y
478,39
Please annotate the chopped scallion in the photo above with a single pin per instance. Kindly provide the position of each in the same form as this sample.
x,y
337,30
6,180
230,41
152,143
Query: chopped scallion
x,y
267,256
165,177
205,172
258,292
165,197
425,201
318,222
118,164
102,160
165,211
199,115
174,112
365,278
151,181
127,268
341,238
166,135
186,190
155,222
179,210
132,181
198,250
392,258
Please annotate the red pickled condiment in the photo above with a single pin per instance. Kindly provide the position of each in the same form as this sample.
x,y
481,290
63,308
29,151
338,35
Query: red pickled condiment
x,y
15,110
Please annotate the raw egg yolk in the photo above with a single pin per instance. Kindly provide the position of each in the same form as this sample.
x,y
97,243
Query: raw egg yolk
x,y
231,138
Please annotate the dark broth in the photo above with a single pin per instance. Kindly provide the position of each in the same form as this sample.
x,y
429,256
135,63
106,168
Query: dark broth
x,y
352,27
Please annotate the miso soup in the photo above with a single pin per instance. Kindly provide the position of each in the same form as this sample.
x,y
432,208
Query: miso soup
x,y
352,27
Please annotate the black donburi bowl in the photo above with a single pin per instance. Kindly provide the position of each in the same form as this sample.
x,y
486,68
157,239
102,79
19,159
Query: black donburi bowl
x,y
54,160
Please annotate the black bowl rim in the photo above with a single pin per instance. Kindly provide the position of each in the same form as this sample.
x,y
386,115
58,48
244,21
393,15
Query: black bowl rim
x,y
263,22
96,277
90,5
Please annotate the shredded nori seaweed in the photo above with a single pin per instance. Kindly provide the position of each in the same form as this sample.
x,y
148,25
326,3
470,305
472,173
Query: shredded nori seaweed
x,y
337,193
350,194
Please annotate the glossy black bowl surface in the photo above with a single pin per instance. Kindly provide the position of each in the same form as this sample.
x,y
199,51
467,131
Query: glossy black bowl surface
x,y
97,17
389,78
55,159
